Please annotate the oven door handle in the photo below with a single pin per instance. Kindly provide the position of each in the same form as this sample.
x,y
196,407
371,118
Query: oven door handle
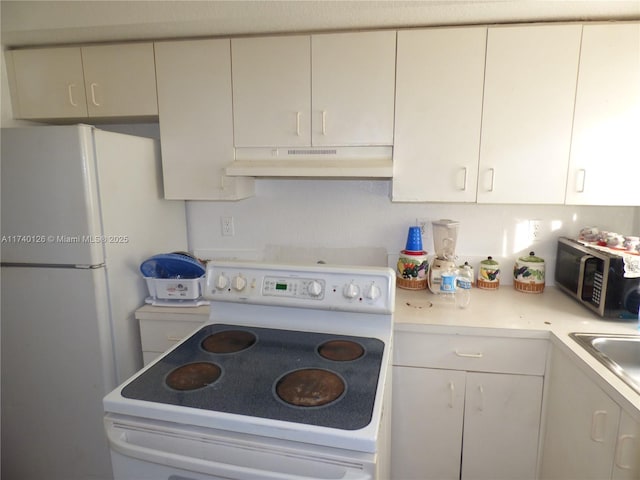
x,y
118,442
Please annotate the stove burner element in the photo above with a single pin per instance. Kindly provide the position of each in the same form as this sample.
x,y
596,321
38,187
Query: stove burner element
x,y
228,341
193,376
341,350
310,387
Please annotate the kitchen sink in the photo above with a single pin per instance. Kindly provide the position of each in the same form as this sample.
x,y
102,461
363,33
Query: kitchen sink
x,y
619,353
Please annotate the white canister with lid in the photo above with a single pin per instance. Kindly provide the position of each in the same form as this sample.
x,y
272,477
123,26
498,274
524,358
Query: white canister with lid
x,y
489,274
528,274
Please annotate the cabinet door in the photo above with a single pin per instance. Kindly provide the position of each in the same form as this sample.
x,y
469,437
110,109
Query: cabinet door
x,y
353,85
196,120
529,96
605,151
48,83
120,80
440,77
581,425
501,426
626,465
426,435
272,91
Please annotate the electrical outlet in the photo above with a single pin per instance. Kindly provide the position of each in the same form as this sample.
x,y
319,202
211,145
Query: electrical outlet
x,y
227,226
535,230
422,223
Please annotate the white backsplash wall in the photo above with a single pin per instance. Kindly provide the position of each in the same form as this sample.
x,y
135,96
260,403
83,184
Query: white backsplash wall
x,y
355,213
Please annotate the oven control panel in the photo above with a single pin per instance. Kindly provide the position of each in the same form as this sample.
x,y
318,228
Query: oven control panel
x,y
309,288
326,287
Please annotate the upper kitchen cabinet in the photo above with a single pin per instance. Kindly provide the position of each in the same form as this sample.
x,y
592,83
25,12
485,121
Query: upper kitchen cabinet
x,y
439,82
47,83
120,80
353,85
81,82
604,168
328,89
529,94
271,91
196,120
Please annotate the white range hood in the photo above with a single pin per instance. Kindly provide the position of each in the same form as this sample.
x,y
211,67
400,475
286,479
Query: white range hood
x,y
316,162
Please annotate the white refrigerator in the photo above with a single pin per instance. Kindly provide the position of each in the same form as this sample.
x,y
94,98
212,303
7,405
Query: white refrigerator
x,y
81,209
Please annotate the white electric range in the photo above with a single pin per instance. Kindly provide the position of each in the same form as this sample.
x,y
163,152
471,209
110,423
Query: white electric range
x,y
289,379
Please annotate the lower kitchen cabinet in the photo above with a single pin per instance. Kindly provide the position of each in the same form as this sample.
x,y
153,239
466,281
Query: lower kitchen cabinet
x,y
587,435
449,424
428,409
452,422
161,328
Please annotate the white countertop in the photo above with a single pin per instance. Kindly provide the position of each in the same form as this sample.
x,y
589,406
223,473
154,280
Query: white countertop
x,y
508,313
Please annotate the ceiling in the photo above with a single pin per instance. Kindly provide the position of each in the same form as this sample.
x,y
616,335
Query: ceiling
x,y
26,22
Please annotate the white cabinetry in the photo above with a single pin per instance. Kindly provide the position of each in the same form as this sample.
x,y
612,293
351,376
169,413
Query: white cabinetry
x,y
271,91
196,120
163,327
329,89
428,410
353,85
529,94
120,80
47,83
605,151
466,407
79,82
587,436
439,83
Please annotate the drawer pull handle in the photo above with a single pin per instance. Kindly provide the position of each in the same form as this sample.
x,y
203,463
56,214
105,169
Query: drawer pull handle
x,y
469,355
174,338
481,392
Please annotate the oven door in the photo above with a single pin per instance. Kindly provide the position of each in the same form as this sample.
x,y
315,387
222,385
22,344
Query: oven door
x,y
161,451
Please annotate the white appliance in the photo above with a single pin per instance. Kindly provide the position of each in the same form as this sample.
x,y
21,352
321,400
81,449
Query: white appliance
x,y
290,379
81,209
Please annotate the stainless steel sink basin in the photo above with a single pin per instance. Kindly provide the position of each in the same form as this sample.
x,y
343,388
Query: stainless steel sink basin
x,y
619,353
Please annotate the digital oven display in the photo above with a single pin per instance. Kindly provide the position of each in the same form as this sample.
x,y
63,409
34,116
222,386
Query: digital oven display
x,y
281,286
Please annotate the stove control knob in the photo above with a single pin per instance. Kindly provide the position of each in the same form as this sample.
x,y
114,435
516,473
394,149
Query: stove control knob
x,y
222,282
314,288
372,292
239,283
351,290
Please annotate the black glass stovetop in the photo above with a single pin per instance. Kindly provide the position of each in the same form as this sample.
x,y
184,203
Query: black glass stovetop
x,y
268,364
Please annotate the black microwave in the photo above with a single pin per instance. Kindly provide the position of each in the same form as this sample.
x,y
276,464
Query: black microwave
x,y
596,279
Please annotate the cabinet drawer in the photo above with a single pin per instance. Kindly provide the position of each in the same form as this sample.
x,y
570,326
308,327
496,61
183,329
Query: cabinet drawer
x,y
160,335
466,352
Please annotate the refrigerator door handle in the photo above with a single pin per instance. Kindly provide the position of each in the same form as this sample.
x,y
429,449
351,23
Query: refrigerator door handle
x,y
52,265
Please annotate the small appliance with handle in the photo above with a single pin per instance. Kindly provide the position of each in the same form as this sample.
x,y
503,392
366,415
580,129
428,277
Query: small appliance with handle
x,y
598,279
